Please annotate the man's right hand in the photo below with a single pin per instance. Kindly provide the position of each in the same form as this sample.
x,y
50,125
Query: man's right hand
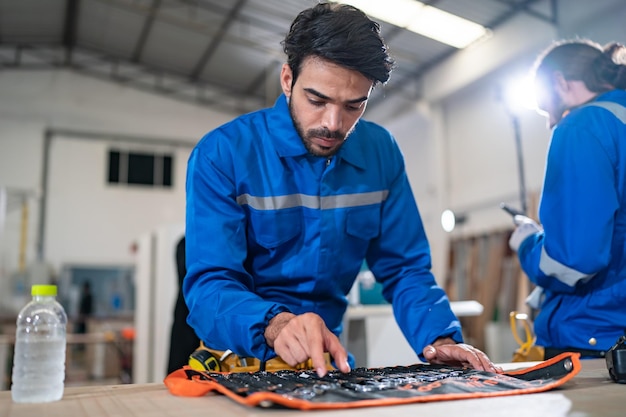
x,y
296,339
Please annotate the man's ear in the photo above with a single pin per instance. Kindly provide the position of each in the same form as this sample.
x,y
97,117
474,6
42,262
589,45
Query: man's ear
x,y
286,78
560,83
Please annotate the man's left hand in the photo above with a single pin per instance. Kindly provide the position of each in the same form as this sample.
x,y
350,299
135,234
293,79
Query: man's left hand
x,y
446,351
526,227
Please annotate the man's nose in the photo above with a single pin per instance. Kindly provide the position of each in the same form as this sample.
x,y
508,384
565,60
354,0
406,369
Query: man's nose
x,y
332,119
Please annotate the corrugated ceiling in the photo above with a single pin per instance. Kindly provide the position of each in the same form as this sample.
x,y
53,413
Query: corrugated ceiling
x,y
223,53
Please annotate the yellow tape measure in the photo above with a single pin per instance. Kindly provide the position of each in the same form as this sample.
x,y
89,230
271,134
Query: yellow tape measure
x,y
203,360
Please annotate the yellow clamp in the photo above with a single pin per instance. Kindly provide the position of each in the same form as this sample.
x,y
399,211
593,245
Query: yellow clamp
x,y
527,350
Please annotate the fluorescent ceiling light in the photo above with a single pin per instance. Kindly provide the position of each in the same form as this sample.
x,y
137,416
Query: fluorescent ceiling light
x,y
422,19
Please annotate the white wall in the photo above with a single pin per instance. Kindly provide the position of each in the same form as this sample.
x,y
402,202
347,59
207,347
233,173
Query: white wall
x,y
86,221
91,222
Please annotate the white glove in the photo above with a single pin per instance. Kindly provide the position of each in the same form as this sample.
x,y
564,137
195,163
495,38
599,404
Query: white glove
x,y
535,299
525,228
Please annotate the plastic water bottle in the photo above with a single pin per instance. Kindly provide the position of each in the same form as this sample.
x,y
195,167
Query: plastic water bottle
x,y
40,341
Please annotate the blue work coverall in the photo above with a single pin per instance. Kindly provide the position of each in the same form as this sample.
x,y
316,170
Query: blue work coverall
x,y
580,258
271,228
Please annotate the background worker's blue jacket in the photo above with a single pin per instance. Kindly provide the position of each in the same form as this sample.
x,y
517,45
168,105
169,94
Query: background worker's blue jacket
x,y
580,259
271,228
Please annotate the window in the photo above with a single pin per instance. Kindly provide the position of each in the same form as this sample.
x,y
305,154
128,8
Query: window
x,y
140,168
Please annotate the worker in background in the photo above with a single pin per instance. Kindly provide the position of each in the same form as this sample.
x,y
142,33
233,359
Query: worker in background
x,y
577,256
85,308
284,204
183,339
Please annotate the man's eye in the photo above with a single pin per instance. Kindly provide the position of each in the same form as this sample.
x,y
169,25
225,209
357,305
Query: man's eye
x,y
316,103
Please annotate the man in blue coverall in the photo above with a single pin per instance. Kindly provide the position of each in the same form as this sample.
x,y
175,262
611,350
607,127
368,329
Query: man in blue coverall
x,y
577,256
284,204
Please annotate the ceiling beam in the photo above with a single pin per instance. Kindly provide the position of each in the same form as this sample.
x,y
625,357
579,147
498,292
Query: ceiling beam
x,y
198,27
145,30
515,8
216,40
69,28
133,75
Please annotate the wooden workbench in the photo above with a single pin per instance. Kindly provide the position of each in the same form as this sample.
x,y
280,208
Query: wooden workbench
x,y
589,394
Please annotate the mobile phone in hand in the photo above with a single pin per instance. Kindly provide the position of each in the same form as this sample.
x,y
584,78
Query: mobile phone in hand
x,y
513,212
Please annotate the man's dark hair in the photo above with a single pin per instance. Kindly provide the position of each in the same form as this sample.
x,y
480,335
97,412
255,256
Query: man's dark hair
x,y
341,34
600,68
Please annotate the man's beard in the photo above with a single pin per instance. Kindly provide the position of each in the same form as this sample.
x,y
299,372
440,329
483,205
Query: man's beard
x,y
321,132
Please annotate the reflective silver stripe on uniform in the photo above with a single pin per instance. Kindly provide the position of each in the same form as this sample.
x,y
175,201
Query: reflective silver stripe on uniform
x,y
278,202
563,273
618,110
354,200
313,202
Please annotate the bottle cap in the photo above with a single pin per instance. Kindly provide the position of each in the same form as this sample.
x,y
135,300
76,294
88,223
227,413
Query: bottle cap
x,y
44,290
